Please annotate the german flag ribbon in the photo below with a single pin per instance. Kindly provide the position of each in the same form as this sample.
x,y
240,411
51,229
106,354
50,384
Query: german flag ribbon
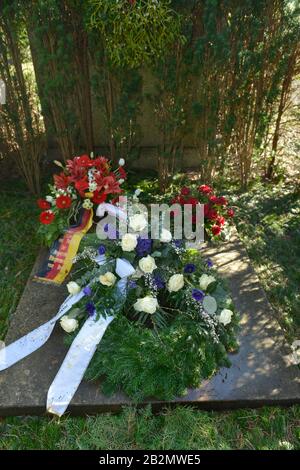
x,y
59,262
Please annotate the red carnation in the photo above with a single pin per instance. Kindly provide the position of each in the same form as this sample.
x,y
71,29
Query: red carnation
x,y
185,191
63,202
216,230
204,189
43,204
98,197
46,217
230,212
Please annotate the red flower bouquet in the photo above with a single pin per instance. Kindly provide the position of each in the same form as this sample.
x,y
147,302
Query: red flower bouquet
x,y
217,214
82,183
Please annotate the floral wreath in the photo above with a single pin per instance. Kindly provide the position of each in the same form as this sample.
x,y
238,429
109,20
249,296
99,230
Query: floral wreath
x,y
172,328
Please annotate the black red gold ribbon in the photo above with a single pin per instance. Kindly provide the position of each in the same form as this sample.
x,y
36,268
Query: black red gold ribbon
x,y
59,262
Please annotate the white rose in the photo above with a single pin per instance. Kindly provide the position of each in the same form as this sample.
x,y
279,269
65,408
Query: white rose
x,y
121,181
147,264
165,236
108,279
73,288
121,162
129,242
138,222
146,304
175,283
68,324
205,280
49,199
225,316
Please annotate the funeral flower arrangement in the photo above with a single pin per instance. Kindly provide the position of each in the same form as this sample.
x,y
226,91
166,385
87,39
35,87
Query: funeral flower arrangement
x,y
173,318
217,214
83,183
146,314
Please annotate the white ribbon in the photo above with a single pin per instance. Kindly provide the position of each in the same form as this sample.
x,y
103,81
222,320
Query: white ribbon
x,y
112,210
81,351
72,370
29,343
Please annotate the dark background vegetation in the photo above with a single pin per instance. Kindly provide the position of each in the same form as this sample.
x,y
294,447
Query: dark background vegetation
x,y
213,79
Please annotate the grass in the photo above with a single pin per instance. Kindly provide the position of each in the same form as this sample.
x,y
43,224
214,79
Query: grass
x,y
269,223
182,428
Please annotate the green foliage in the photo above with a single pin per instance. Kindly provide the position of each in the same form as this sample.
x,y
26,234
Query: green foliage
x,y
21,123
53,48
217,70
143,363
135,32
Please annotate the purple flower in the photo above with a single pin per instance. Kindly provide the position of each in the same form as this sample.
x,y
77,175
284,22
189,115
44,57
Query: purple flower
x,y
198,295
132,284
189,268
101,249
159,282
87,290
143,247
90,308
209,263
112,233
178,243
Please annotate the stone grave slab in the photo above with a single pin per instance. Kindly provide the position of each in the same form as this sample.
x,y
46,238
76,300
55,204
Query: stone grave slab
x,y
261,371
